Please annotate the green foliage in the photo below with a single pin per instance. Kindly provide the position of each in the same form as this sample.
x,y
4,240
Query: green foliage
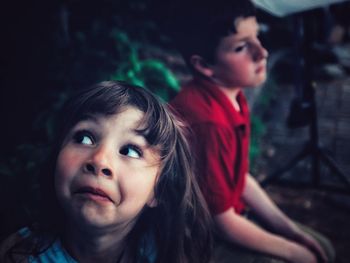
x,y
149,73
258,127
257,131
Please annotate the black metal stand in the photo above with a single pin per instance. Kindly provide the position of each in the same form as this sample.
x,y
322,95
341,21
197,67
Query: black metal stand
x,y
312,147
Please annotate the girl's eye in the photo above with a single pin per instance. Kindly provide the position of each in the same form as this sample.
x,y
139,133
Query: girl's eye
x,y
83,137
131,151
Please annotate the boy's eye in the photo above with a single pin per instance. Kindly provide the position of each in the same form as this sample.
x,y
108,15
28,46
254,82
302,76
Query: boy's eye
x,y
240,48
131,151
83,137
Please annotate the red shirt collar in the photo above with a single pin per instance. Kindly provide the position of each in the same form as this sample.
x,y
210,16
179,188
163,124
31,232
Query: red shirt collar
x,y
236,118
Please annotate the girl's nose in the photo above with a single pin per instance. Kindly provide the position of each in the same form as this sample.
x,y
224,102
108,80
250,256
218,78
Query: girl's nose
x,y
99,164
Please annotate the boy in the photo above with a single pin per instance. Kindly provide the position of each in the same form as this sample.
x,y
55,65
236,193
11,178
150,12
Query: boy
x,y
225,55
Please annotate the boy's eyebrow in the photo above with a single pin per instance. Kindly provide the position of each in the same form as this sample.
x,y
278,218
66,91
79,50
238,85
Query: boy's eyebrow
x,y
244,38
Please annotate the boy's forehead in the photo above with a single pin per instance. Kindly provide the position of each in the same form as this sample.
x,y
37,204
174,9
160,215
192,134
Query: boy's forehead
x,y
245,26
246,29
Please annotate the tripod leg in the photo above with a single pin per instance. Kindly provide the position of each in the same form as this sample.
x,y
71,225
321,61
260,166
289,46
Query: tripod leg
x,y
315,159
274,176
330,162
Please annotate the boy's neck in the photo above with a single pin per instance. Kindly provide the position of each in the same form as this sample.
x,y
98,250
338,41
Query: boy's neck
x,y
231,94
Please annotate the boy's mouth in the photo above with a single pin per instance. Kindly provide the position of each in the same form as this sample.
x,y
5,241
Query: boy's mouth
x,y
95,193
261,68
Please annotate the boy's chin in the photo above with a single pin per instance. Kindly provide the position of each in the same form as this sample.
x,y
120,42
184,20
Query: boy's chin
x,y
254,85
260,81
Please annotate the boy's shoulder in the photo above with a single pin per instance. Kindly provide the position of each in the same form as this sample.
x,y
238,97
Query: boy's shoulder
x,y
194,107
196,104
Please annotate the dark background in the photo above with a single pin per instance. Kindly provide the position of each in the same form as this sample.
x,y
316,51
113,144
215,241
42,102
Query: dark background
x,y
51,48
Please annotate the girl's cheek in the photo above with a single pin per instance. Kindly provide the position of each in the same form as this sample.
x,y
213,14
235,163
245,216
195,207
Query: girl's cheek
x,y
67,164
66,169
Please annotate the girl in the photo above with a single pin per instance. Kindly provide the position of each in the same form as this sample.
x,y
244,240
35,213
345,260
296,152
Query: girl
x,y
119,186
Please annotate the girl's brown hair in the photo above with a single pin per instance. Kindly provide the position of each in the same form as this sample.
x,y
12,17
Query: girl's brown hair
x,y
180,223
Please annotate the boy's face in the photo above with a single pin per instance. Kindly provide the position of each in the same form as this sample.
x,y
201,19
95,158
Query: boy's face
x,y
240,59
106,172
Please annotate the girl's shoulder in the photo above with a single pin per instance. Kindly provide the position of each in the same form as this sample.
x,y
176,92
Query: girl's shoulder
x,y
19,247
9,243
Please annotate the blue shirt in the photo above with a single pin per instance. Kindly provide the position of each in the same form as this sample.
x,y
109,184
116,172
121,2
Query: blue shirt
x,y
57,254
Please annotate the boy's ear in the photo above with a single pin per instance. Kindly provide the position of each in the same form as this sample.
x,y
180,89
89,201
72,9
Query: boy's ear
x,y
201,66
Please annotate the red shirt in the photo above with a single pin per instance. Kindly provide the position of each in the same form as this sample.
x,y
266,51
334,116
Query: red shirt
x,y
220,137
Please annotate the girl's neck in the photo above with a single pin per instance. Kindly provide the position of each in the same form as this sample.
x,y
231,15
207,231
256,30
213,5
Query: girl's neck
x,y
96,247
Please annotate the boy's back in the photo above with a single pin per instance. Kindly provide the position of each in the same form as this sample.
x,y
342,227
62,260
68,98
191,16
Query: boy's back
x,y
220,136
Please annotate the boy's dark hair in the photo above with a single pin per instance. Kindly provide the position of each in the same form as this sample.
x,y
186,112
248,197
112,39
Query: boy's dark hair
x,y
197,27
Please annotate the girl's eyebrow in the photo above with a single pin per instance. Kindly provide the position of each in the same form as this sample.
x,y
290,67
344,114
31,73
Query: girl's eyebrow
x,y
86,122
138,133
141,134
90,117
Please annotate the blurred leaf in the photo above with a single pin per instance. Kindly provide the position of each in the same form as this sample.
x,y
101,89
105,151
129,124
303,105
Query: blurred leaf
x,y
165,76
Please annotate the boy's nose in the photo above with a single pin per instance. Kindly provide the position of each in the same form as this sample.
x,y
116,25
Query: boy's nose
x,y
98,164
260,53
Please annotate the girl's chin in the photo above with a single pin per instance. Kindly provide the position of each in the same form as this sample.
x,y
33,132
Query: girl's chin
x,y
95,224
94,216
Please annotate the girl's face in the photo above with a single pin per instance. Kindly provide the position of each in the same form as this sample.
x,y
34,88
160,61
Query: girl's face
x,y
106,171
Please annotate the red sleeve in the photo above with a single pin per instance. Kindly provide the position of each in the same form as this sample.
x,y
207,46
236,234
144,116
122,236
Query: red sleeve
x,y
215,148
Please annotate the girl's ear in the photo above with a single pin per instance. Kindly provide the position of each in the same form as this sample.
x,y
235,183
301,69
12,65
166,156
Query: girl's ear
x,y
152,202
201,66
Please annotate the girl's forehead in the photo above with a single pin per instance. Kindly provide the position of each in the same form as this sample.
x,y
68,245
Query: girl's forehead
x,y
128,116
143,123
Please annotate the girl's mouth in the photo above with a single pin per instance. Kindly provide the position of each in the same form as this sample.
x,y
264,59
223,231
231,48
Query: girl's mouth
x,y
93,193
